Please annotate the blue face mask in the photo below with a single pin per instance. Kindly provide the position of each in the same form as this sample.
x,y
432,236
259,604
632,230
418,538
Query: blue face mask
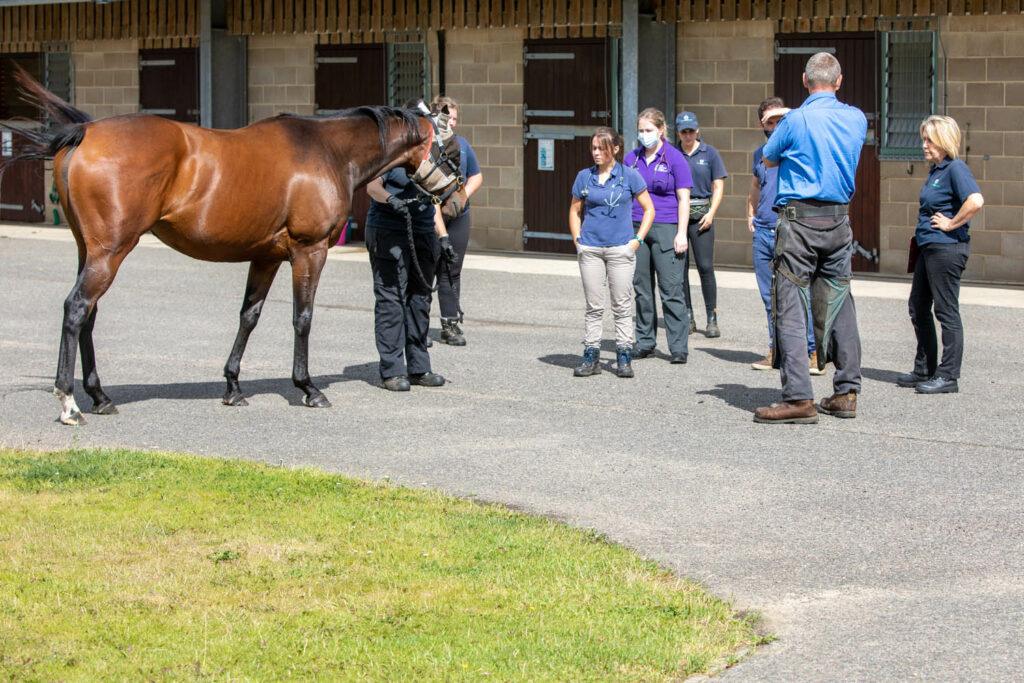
x,y
767,133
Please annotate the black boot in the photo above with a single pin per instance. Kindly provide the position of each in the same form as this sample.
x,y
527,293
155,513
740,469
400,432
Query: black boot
x,y
624,356
713,330
590,364
450,332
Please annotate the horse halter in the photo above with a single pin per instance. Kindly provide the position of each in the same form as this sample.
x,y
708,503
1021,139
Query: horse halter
x,y
453,181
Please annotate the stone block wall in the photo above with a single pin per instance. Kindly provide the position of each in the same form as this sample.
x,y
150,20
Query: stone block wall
x,y
484,72
723,70
984,92
106,77
281,75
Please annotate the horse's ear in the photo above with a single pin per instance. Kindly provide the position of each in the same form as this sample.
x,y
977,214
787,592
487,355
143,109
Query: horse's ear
x,y
423,108
442,120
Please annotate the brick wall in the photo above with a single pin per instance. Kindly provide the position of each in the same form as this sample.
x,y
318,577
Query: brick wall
x,y
106,77
724,69
484,73
985,94
281,75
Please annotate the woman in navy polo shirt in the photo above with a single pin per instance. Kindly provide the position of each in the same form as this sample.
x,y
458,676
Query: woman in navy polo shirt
x,y
601,228
709,176
663,252
949,199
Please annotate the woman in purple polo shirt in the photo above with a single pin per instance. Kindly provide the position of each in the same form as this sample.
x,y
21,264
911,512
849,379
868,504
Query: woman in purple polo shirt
x,y
600,225
662,254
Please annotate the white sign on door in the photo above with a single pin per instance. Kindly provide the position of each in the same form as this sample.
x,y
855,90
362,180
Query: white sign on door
x,y
545,155
8,143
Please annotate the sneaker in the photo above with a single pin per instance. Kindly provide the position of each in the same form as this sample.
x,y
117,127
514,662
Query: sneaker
x,y
813,359
590,363
763,364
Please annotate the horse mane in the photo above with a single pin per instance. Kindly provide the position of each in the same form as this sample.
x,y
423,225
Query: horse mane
x,y
383,117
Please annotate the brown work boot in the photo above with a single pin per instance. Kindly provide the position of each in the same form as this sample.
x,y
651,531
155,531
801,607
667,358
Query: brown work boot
x,y
840,405
788,412
813,359
763,364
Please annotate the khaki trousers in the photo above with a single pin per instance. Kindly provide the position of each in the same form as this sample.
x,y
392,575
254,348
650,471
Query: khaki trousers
x,y
607,270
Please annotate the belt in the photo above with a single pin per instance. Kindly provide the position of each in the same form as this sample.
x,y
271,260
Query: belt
x,y
700,202
801,210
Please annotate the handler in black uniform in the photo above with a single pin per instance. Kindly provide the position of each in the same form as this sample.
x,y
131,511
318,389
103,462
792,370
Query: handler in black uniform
x,y
401,315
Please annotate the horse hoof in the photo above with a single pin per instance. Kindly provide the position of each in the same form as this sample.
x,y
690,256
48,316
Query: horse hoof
x,y
105,408
235,399
318,401
74,419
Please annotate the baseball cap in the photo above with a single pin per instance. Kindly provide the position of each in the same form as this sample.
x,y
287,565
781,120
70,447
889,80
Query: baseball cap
x,y
687,120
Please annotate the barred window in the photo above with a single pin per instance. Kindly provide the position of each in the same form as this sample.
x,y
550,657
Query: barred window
x,y
408,72
908,91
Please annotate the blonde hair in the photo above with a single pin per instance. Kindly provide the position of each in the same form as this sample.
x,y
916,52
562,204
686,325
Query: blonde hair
x,y
442,100
608,139
656,117
943,132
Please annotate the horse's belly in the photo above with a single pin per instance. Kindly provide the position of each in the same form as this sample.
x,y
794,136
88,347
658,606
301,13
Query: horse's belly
x,y
208,245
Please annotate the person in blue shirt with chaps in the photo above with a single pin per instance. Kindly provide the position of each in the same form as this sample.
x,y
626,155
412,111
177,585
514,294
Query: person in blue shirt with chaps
x,y
816,147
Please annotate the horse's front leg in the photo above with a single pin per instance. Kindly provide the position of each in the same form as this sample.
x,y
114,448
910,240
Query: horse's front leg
x,y
261,277
307,265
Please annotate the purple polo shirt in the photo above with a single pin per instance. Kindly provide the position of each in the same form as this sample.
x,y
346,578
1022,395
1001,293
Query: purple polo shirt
x,y
667,173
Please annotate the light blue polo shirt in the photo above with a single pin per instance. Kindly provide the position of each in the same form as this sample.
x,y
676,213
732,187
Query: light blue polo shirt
x,y
821,166
607,209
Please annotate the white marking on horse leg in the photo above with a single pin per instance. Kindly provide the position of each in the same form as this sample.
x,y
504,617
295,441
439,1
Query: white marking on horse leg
x,y
69,414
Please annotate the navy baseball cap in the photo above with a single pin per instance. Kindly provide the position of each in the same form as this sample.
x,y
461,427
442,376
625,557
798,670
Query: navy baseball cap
x,y
687,120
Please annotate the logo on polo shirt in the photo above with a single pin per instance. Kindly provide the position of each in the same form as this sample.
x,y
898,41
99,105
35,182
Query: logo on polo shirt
x,y
702,162
935,183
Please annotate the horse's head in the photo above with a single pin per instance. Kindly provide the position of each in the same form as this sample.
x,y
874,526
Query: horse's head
x,y
437,163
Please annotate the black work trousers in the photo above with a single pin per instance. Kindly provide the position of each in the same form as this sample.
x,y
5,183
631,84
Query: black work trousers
x,y
401,314
937,283
449,276
702,252
806,248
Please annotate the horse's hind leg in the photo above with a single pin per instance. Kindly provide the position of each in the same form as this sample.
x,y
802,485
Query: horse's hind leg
x,y
306,268
101,403
261,276
94,277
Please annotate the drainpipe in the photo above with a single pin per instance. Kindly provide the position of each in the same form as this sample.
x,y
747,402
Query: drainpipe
x,y
630,64
205,64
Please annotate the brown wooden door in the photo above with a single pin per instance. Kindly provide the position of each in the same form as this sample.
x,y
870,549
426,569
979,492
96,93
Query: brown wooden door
x,y
858,56
351,76
567,95
22,189
169,83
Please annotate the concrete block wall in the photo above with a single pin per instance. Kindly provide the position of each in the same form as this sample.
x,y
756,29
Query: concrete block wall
x,y
106,77
984,92
723,71
281,75
484,73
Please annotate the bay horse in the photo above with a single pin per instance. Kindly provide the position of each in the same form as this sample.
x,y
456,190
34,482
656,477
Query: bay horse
x,y
277,190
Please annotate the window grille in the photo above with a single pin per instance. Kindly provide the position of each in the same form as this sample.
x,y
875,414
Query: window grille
x,y
408,72
908,91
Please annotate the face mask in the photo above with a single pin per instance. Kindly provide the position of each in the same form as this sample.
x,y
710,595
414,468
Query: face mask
x,y
767,133
648,139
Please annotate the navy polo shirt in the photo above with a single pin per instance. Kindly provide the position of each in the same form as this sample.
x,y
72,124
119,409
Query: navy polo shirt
x,y
468,165
817,147
383,217
768,182
949,183
607,209
706,165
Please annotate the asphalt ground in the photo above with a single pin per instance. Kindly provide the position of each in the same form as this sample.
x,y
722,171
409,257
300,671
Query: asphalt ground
x,y
886,547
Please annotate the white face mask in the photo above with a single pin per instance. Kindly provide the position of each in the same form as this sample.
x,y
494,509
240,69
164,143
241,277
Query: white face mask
x,y
648,138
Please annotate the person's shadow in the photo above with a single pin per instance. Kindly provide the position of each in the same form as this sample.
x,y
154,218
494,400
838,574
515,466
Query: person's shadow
x,y
571,360
743,397
730,355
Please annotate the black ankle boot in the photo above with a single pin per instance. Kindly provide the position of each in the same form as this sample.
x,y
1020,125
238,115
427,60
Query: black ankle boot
x,y
450,332
713,330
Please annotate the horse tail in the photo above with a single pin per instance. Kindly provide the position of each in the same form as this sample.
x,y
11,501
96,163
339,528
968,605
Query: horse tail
x,y
34,143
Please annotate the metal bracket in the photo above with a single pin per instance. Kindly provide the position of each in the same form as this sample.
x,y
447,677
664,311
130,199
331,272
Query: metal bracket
x,y
801,50
869,255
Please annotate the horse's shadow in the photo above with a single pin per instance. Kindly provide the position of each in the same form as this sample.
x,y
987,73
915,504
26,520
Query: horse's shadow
x,y
124,394
743,397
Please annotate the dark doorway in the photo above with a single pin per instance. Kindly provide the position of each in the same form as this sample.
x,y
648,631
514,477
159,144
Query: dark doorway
x,y
22,188
351,76
858,56
567,94
169,83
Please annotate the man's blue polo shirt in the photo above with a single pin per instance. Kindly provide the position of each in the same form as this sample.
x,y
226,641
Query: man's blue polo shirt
x,y
607,209
948,184
706,166
817,147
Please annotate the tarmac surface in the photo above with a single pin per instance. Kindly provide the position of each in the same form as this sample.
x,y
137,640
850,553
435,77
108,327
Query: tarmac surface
x,y
886,547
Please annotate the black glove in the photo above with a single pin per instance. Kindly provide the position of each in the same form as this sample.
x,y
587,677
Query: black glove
x,y
397,204
447,250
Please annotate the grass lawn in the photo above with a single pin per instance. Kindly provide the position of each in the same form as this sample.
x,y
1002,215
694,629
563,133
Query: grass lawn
x,y
120,565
